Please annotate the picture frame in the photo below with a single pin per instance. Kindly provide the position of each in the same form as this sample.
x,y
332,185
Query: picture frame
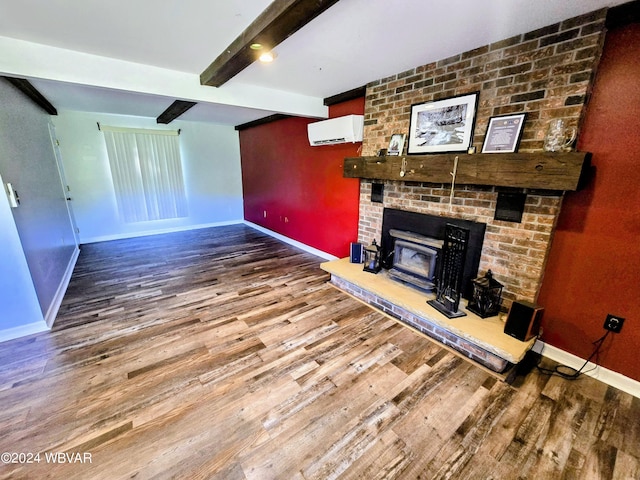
x,y
444,125
504,133
396,144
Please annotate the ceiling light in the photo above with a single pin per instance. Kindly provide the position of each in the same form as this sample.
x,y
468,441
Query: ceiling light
x,y
255,46
267,57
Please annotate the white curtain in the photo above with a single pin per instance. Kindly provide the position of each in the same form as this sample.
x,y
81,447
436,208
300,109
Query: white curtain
x,y
147,173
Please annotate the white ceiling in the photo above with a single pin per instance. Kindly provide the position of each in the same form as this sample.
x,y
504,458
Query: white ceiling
x,y
137,41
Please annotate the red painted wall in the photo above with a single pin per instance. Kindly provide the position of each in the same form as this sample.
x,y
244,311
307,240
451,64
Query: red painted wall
x,y
300,187
594,263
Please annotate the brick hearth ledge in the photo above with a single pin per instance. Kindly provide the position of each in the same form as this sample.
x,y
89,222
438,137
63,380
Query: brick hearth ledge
x,y
480,339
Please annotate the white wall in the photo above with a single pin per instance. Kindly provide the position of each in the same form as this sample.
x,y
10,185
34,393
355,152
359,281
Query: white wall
x,y
211,163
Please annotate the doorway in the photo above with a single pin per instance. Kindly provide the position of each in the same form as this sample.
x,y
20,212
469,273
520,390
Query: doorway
x,y
66,190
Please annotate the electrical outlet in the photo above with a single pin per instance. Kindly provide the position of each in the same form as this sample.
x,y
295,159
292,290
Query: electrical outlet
x,y
613,323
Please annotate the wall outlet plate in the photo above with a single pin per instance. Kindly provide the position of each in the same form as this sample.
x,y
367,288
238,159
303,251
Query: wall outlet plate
x,y
613,323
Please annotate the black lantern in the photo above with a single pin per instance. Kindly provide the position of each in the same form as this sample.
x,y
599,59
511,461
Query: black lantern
x,y
372,258
487,296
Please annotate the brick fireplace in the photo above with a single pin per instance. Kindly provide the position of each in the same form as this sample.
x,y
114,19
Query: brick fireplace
x,y
546,73
514,252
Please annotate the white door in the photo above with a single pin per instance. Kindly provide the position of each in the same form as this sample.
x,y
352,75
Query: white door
x,y
66,190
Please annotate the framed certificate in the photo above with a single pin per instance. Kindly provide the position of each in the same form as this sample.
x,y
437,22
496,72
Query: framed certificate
x,y
504,133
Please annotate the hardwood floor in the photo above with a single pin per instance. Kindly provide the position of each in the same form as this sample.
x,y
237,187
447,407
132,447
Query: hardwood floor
x,y
224,354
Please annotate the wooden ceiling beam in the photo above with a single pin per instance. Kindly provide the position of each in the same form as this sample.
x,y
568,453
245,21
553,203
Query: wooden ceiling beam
x,y
262,121
346,96
623,15
279,21
176,109
32,92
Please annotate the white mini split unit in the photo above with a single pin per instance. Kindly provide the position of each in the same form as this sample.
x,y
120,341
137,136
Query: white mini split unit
x,y
347,129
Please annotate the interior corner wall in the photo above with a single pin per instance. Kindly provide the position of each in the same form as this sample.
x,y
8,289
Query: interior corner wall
x,y
20,304
298,190
41,220
594,262
211,166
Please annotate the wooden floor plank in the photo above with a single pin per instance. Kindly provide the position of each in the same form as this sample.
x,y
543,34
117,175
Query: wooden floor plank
x,y
223,353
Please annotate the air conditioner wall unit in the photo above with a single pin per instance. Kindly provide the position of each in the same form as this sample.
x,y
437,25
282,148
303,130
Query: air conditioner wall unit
x,y
347,129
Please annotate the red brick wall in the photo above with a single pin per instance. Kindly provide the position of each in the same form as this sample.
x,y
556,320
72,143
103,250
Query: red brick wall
x,y
546,73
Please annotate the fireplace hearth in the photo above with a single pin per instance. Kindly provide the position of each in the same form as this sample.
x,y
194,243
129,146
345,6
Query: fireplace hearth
x,y
481,340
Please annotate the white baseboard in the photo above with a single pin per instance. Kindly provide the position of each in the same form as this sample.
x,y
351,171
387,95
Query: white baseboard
x,y
52,311
23,331
292,242
122,236
605,375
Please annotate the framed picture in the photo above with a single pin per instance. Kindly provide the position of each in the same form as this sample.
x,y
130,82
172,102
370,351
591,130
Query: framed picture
x,y
504,133
396,144
443,125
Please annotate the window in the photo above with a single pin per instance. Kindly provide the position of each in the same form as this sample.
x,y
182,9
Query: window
x,y
147,173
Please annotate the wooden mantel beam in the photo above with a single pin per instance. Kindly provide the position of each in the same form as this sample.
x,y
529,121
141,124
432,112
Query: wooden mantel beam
x,y
279,21
565,171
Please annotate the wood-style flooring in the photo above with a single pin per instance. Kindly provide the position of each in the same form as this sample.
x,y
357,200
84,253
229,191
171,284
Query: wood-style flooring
x,y
224,354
